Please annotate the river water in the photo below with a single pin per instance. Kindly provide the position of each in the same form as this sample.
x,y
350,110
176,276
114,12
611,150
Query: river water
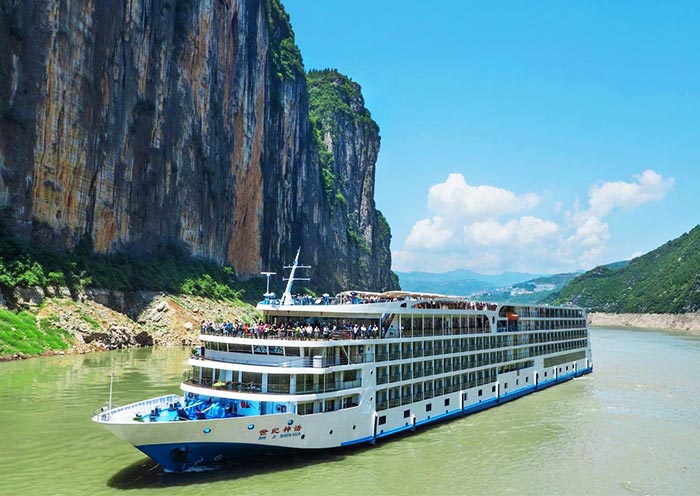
x,y
630,427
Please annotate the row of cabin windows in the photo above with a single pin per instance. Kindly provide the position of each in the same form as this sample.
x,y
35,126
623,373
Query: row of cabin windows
x,y
328,405
403,351
235,380
538,325
543,312
438,325
418,370
413,349
404,395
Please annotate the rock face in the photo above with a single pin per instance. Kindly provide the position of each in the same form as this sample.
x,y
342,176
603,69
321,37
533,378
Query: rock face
x,y
143,123
347,140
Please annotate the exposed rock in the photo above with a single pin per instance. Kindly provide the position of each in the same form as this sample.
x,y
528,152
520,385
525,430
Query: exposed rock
x,y
667,321
32,296
156,122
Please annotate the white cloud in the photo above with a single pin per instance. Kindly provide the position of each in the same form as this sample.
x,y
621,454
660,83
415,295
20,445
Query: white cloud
x,y
481,227
456,199
429,234
647,187
522,232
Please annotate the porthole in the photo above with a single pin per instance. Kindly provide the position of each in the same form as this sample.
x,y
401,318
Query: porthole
x,y
331,432
353,427
290,422
303,436
207,430
251,427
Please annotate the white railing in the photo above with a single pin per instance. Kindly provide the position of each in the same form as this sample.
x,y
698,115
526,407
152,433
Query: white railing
x,y
129,411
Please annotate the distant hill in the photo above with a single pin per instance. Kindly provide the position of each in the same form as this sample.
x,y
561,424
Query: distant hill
x,y
665,280
461,282
528,292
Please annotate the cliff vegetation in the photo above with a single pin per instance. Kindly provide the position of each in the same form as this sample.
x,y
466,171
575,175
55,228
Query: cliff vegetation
x,y
665,280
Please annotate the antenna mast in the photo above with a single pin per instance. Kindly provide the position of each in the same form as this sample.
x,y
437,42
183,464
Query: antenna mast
x,y
287,296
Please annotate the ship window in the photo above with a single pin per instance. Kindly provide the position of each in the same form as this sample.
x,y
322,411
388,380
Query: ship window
x,y
464,396
527,378
428,407
406,413
545,374
505,386
480,392
447,402
382,420
493,389
292,351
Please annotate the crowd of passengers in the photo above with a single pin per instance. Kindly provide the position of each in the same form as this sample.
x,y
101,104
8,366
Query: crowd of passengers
x,y
456,305
297,331
343,299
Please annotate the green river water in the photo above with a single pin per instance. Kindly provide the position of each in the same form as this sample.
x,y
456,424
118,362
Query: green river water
x,y
630,427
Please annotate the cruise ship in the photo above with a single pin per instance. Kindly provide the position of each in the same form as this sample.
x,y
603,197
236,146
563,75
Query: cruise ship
x,y
329,372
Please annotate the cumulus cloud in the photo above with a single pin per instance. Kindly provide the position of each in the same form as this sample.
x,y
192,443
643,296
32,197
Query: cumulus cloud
x,y
647,187
524,231
429,234
455,198
485,228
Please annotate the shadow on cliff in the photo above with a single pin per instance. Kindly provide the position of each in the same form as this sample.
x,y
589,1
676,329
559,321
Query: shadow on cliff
x,y
148,474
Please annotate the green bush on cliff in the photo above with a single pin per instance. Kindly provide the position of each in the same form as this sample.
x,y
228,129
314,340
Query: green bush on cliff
x,y
169,269
286,57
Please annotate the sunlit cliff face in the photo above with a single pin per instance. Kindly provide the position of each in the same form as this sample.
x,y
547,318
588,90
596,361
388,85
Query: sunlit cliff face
x,y
151,122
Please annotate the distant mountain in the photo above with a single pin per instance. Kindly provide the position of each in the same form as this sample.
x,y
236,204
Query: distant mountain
x,y
461,282
665,280
529,292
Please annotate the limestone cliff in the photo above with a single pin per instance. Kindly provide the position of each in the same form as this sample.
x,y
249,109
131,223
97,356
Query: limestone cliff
x,y
347,140
146,122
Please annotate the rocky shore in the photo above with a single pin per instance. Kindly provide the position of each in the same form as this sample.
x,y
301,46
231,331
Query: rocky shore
x,y
100,320
688,322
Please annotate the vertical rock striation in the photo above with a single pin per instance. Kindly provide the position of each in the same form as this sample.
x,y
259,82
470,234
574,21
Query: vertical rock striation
x,y
142,123
347,142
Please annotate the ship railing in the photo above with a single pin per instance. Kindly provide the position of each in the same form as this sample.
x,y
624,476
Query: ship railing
x,y
417,373
254,387
382,379
427,394
293,362
129,411
382,357
382,404
418,396
394,377
394,402
406,399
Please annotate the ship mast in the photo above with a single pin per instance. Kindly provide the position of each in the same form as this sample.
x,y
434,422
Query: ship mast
x,y
287,296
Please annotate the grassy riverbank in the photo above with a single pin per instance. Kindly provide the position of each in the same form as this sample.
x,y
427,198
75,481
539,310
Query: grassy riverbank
x,y
22,333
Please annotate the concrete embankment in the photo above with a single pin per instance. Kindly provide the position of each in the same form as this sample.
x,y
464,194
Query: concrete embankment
x,y
689,322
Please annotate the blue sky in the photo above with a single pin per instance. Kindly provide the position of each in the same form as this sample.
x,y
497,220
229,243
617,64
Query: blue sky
x,y
531,136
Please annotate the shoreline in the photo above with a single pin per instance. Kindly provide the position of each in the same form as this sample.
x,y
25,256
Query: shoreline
x,y
683,322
